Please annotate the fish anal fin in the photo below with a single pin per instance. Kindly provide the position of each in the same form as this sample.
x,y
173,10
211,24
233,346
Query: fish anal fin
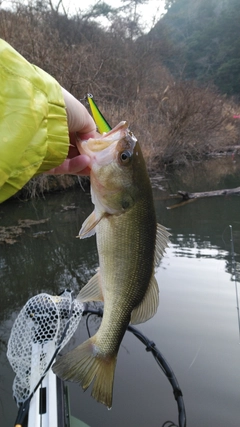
x,y
148,307
92,291
85,364
88,227
162,240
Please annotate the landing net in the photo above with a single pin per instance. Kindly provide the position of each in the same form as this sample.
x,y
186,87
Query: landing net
x,y
43,327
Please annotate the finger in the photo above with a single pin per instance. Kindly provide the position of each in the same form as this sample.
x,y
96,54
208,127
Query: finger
x,y
79,165
72,152
82,136
86,136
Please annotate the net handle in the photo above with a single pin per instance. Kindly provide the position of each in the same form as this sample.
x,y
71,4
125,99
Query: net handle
x,y
24,407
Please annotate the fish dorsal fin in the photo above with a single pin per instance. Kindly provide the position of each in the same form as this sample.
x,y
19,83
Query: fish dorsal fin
x,y
148,307
162,239
92,291
88,227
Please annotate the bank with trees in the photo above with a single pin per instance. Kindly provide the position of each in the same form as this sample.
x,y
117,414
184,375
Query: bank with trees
x,y
179,93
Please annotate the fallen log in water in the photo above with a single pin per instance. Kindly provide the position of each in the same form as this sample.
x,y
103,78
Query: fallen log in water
x,y
226,192
190,197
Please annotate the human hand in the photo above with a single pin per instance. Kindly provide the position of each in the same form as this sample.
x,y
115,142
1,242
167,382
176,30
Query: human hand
x,y
81,126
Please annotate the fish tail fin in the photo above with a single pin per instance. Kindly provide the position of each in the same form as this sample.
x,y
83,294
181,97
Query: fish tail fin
x,y
103,385
85,364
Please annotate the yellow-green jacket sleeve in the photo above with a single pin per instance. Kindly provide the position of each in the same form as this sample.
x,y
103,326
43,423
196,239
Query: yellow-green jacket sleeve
x,y
33,122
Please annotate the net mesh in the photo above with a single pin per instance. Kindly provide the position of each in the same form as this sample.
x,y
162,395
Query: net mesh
x,y
45,323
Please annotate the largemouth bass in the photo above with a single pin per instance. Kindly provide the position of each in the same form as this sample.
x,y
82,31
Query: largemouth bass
x,y
130,244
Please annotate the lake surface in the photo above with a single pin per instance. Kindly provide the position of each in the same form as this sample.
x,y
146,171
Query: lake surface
x,y
196,326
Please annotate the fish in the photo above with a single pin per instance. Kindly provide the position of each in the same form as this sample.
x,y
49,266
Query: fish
x,y
130,245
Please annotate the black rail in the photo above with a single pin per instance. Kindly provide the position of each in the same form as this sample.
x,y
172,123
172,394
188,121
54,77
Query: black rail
x,y
161,361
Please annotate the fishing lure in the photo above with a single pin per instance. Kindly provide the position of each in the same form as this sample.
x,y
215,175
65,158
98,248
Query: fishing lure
x,y
101,122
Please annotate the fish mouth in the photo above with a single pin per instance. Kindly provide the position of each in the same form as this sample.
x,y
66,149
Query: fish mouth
x,y
104,149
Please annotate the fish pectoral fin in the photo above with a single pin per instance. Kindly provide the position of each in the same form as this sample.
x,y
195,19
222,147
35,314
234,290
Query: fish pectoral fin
x,y
148,307
92,291
162,239
88,227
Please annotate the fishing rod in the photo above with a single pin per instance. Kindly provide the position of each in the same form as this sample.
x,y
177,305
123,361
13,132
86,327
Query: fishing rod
x,y
161,361
235,277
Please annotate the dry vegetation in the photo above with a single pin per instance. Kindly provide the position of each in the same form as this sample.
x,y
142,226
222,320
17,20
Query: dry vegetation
x,y
175,121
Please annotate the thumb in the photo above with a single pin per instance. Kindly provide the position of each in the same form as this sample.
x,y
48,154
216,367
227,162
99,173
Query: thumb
x,y
79,119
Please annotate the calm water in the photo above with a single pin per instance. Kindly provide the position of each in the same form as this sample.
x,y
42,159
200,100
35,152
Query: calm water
x,y
196,326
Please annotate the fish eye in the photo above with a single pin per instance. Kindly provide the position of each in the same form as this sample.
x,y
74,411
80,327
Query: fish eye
x,y
125,156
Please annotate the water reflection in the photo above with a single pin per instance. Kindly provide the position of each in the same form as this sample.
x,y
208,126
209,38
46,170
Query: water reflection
x,y
42,261
206,176
195,327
